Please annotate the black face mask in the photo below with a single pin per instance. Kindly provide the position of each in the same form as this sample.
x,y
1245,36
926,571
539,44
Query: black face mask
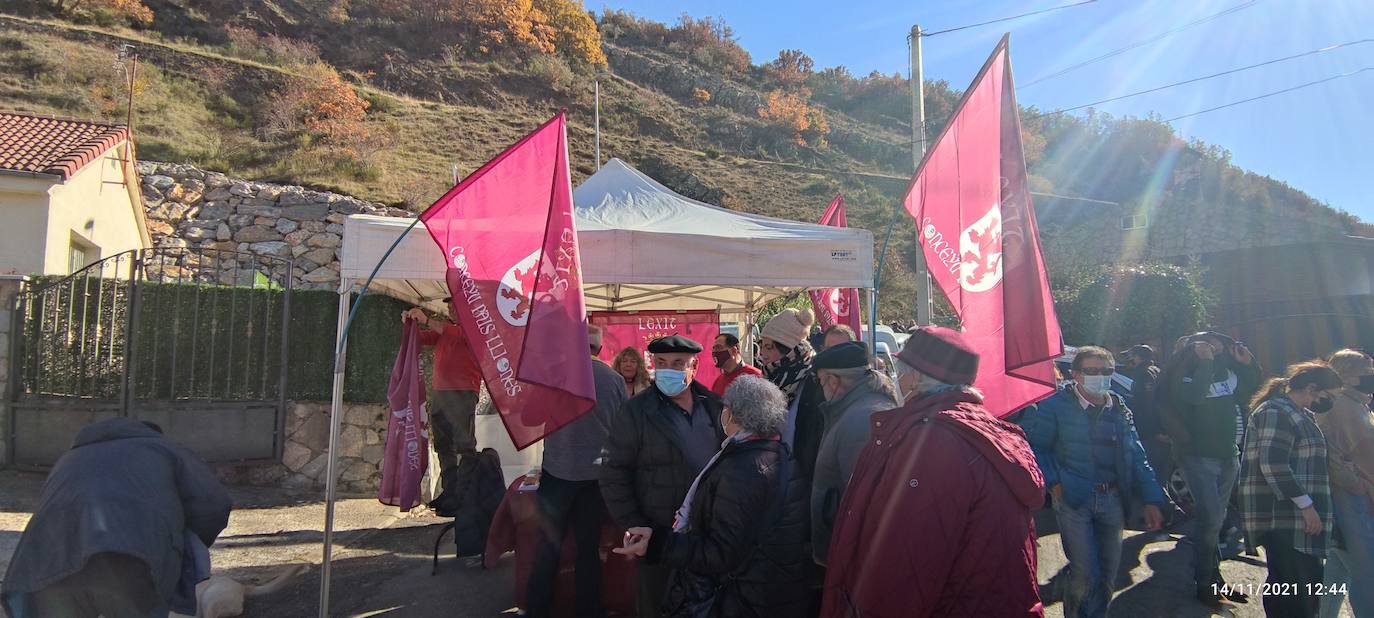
x,y
1321,406
1366,384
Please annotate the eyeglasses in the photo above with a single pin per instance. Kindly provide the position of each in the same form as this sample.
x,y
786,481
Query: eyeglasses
x,y
1097,371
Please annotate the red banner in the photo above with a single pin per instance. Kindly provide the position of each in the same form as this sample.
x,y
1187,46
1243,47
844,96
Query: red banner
x,y
835,305
975,223
507,234
406,456
635,329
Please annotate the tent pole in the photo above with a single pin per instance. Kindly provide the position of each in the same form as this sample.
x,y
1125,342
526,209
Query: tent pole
x,y
748,324
873,322
331,473
336,410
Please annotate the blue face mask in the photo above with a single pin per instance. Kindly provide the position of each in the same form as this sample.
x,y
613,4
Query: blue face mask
x,y
670,382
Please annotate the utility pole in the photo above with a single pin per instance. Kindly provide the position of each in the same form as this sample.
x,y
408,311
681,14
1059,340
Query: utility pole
x,y
130,78
596,116
924,301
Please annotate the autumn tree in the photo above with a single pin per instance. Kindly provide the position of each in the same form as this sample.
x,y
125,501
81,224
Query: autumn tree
x,y
790,69
134,10
791,114
502,27
574,31
320,103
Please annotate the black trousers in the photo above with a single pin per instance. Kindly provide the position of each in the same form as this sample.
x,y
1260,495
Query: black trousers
x,y
454,426
562,504
1293,577
110,585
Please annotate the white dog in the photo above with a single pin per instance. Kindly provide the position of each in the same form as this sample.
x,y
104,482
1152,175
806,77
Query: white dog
x,y
222,597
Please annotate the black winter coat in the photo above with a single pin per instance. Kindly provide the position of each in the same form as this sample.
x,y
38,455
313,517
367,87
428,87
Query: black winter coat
x,y
644,475
743,547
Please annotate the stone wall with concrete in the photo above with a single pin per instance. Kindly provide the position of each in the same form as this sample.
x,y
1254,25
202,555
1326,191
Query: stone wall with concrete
x,y
190,208
305,457
362,442
10,288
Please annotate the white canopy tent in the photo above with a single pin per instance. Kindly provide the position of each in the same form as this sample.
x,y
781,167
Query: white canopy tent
x,y
643,247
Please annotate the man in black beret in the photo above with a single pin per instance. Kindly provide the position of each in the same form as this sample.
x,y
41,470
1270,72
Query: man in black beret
x,y
659,441
853,391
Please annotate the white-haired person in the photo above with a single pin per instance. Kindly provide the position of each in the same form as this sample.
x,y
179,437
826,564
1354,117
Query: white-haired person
x,y
737,546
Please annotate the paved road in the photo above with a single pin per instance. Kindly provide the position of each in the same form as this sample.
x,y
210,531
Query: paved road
x,y
382,561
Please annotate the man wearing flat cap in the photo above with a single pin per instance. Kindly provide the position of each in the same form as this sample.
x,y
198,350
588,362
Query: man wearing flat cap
x,y
936,519
853,392
659,441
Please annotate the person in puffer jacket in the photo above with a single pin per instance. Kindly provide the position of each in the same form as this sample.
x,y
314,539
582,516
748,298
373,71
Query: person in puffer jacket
x,y
1095,467
737,545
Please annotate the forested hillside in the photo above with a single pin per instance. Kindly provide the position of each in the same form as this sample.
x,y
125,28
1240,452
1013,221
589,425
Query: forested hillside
x,y
384,98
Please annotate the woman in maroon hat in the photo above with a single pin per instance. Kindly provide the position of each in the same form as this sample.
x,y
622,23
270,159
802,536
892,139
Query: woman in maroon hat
x,y
937,471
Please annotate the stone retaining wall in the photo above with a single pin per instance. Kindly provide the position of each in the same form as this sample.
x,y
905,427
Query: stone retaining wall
x,y
191,208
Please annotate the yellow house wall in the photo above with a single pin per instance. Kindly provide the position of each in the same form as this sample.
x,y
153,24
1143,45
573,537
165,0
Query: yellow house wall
x,y
23,236
95,206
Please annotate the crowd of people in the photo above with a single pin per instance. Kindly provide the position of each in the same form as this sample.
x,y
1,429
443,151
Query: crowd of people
x,y
814,484
810,485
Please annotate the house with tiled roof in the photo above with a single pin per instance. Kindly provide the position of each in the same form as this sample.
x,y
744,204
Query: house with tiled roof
x,y
69,194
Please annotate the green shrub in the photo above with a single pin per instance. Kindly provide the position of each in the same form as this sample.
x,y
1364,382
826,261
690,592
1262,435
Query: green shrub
x,y
550,70
1118,306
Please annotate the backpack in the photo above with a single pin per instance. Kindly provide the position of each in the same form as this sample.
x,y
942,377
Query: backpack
x,y
471,499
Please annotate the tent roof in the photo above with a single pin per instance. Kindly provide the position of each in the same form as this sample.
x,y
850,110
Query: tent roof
x,y
645,247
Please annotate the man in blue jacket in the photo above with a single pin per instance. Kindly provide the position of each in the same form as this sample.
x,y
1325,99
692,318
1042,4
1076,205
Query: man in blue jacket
x,y
1096,470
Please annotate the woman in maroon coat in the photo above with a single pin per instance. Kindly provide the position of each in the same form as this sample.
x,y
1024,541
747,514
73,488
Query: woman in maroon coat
x,y
936,520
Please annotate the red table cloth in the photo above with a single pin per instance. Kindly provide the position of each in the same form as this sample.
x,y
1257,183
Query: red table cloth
x,y
516,528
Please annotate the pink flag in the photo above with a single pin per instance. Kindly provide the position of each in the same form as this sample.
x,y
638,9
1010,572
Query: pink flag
x,y
836,305
508,237
635,329
973,213
407,450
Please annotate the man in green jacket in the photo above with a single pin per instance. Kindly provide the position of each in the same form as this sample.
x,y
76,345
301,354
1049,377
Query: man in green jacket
x,y
1209,385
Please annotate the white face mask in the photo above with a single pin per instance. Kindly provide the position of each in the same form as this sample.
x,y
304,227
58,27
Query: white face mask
x,y
903,395
1097,385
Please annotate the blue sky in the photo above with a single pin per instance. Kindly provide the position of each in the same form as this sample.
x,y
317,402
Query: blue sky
x,y
1319,139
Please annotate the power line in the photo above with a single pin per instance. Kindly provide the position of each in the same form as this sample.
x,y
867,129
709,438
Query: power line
x,y
1270,94
1002,19
1138,44
1205,77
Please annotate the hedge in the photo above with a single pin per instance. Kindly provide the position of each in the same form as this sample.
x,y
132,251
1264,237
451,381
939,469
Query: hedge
x,y
206,342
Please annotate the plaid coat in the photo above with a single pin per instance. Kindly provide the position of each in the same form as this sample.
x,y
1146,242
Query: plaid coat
x,y
1285,457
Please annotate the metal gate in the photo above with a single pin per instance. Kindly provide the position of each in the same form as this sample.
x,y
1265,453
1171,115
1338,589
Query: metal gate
x,y
193,340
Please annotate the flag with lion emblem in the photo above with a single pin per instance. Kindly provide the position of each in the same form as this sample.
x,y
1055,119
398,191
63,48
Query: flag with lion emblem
x,y
975,223
509,241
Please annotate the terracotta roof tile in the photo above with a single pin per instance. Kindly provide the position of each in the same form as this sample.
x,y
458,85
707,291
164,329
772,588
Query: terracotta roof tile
x,y
50,145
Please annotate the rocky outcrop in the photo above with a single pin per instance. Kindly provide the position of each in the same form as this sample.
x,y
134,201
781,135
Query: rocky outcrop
x,y
194,209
